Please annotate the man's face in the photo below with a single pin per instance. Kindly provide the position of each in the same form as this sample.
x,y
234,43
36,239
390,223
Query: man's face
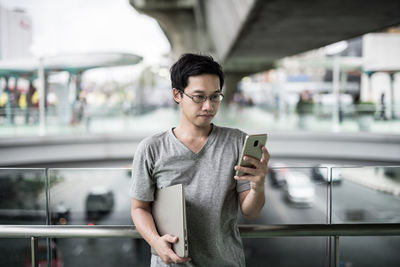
x,y
199,114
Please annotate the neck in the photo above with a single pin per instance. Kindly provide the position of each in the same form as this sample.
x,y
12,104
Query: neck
x,y
192,131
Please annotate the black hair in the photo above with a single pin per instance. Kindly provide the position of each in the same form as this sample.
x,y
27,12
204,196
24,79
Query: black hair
x,y
193,65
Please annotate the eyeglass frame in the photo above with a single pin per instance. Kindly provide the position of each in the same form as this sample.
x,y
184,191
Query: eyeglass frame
x,y
205,97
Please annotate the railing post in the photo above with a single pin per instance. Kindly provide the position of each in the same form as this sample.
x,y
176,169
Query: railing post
x,y
34,249
337,260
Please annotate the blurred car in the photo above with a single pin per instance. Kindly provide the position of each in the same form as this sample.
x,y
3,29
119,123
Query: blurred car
x,y
99,200
299,189
277,174
59,214
392,172
321,172
56,256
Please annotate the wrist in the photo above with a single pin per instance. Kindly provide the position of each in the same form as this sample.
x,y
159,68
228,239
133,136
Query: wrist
x,y
257,188
154,239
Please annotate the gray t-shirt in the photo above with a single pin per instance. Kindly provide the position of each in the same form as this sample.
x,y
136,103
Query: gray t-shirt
x,y
211,192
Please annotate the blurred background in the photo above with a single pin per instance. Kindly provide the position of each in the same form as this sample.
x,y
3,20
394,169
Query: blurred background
x,y
105,67
82,82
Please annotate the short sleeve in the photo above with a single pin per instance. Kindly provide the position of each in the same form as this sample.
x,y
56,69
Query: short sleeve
x,y
142,182
242,186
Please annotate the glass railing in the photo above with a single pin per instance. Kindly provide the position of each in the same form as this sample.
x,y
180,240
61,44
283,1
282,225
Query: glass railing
x,y
95,197
365,195
292,197
23,200
317,196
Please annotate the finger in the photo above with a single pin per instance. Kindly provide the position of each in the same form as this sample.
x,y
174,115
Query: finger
x,y
181,260
167,256
170,238
265,154
249,178
176,259
255,162
246,170
172,257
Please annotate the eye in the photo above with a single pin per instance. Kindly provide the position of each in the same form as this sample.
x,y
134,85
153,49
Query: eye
x,y
216,97
199,98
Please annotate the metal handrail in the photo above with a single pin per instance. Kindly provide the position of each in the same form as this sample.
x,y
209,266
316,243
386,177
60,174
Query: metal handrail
x,y
265,231
247,231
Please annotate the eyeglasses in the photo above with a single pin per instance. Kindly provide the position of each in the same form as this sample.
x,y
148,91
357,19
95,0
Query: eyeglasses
x,y
216,98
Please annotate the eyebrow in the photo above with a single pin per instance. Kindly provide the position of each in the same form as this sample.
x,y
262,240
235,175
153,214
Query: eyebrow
x,y
202,91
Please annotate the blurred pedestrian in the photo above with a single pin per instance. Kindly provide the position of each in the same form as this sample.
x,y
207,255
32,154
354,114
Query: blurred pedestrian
x,y
383,107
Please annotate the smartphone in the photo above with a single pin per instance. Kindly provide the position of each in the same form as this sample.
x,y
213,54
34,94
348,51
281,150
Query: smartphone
x,y
251,147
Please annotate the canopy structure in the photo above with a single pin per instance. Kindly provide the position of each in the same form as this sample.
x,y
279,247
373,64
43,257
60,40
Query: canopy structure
x,y
73,63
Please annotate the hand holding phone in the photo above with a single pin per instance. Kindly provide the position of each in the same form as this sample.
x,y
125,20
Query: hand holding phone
x,y
252,147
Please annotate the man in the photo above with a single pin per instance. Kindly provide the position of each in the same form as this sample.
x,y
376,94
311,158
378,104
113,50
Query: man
x,y
201,156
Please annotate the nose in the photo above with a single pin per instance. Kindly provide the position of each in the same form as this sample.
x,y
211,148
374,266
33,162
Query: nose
x,y
208,104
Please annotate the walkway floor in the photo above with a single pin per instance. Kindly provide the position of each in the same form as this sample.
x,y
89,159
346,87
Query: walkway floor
x,y
248,119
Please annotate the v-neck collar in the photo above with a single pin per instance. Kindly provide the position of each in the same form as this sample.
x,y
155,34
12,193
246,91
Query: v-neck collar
x,y
210,138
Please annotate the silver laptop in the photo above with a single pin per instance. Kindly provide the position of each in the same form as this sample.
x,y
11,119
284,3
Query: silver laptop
x,y
169,213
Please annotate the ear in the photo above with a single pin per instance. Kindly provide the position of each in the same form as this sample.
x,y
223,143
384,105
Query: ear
x,y
177,95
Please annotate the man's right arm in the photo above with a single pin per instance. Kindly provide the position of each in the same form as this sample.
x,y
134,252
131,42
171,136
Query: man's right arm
x,y
144,222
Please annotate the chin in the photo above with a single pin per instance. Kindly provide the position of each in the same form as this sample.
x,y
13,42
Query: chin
x,y
203,123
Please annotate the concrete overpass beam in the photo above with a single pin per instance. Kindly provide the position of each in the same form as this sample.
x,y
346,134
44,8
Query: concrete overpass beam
x,y
224,20
182,22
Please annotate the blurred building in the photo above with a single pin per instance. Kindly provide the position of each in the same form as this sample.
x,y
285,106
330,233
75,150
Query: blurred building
x,y
365,68
381,67
15,34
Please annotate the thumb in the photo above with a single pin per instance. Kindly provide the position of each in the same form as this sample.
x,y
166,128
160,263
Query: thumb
x,y
170,238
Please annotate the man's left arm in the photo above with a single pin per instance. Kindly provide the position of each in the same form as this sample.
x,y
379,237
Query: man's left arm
x,y
252,201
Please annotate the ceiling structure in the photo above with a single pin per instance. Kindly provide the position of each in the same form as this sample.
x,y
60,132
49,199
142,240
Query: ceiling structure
x,y
250,35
